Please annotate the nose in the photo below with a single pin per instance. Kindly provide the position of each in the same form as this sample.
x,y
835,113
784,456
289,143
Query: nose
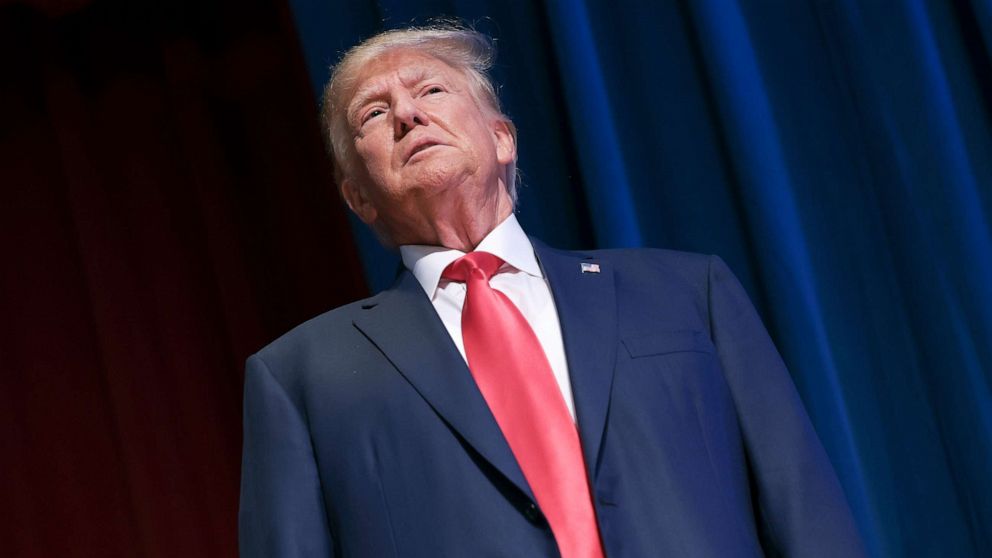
x,y
407,114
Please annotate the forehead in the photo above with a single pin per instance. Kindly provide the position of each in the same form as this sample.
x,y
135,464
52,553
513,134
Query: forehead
x,y
409,66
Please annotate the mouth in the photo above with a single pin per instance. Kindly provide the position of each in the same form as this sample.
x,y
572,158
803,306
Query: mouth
x,y
419,146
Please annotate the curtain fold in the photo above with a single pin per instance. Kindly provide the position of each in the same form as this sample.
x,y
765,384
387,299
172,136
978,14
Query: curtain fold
x,y
607,188
836,155
167,211
771,210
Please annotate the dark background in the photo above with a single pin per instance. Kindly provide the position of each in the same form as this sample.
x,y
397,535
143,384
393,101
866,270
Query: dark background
x,y
167,210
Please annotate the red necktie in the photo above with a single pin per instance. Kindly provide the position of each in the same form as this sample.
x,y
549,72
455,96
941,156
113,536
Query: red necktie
x,y
513,374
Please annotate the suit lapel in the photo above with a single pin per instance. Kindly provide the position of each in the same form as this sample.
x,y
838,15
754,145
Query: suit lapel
x,y
587,311
406,328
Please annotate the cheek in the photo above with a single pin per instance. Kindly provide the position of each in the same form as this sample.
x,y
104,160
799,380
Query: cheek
x,y
481,131
371,176
372,156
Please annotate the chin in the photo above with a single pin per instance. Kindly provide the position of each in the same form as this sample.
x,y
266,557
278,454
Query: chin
x,y
436,178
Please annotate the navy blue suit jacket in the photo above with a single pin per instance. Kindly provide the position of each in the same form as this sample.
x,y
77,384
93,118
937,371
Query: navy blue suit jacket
x,y
366,436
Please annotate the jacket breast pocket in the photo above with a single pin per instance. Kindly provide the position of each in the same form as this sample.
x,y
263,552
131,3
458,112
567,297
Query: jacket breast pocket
x,y
668,342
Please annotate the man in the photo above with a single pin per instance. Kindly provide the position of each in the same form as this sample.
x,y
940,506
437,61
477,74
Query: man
x,y
504,398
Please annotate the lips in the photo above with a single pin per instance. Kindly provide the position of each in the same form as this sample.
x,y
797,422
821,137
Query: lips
x,y
419,145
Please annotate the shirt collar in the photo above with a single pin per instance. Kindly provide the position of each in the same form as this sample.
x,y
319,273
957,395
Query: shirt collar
x,y
507,241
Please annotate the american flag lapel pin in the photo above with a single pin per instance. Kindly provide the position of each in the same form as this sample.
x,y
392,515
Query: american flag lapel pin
x,y
589,267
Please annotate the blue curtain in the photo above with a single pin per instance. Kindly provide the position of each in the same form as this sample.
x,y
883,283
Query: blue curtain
x,y
837,154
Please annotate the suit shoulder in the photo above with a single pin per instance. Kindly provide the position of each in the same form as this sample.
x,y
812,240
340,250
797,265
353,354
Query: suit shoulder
x,y
656,286
672,258
688,267
321,331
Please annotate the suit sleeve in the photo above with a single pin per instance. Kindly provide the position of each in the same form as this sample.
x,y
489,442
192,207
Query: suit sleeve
x,y
281,512
800,502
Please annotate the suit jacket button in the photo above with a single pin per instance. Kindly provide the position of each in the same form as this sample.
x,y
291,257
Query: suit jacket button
x,y
532,513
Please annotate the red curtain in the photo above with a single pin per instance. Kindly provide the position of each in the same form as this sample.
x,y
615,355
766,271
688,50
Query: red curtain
x,y
166,209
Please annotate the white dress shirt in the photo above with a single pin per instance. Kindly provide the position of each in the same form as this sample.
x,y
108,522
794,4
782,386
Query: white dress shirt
x,y
520,279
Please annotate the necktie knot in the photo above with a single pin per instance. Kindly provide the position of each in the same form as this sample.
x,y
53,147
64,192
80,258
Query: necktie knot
x,y
481,265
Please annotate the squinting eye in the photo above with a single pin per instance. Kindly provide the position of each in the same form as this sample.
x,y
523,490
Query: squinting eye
x,y
372,114
434,90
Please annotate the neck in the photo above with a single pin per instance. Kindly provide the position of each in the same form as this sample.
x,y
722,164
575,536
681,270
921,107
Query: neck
x,y
459,225
466,228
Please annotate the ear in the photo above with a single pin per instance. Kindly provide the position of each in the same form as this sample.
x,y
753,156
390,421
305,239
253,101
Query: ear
x,y
506,144
358,201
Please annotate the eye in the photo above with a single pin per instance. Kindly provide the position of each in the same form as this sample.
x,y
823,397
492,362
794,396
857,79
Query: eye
x,y
372,114
433,90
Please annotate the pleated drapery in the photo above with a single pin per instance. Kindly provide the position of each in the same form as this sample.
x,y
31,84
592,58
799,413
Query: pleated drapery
x,y
838,154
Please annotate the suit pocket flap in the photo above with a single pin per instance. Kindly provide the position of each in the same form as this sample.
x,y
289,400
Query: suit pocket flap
x,y
665,342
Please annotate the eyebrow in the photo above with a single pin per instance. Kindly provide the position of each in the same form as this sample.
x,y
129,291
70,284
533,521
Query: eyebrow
x,y
362,98
366,93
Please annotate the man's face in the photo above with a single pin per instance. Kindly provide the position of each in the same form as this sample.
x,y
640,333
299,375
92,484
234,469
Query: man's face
x,y
423,144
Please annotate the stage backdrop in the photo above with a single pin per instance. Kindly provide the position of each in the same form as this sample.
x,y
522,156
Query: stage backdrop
x,y
837,154
166,210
